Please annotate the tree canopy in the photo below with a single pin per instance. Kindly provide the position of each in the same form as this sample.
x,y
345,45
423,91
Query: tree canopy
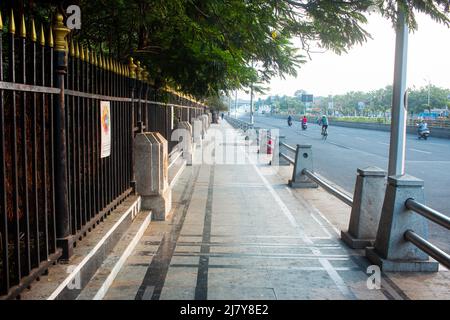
x,y
207,47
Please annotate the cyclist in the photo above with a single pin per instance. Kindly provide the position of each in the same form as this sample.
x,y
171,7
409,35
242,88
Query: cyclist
x,y
324,122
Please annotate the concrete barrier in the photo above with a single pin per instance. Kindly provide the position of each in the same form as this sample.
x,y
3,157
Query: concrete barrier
x,y
366,210
151,162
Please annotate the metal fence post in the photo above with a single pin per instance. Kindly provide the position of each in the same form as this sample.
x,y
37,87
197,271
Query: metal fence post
x,y
132,68
392,252
63,232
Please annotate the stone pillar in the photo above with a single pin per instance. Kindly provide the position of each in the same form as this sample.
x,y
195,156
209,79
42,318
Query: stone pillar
x,y
303,160
262,140
185,132
368,197
276,159
197,131
152,174
391,251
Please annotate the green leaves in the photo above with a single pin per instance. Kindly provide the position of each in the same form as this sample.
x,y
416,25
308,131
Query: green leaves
x,y
208,47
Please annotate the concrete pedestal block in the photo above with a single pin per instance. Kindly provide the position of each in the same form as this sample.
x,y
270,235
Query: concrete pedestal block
x,y
303,160
152,174
263,140
276,159
391,251
205,124
197,129
161,204
185,131
370,188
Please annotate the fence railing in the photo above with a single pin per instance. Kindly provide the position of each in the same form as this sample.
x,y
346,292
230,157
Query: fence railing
x,y
55,186
239,124
410,204
422,243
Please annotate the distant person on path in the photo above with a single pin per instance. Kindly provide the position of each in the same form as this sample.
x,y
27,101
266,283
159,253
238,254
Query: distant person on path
x,y
324,122
222,115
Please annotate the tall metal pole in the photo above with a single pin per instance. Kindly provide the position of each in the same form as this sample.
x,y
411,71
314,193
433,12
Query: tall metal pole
x,y
399,100
235,104
251,104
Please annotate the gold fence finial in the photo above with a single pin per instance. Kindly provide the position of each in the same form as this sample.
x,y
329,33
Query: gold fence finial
x,y
86,53
92,57
82,57
12,24
23,28
77,50
61,31
50,37
138,70
132,68
33,31
42,36
1,22
72,48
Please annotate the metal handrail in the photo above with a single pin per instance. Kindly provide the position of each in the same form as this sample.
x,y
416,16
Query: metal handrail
x,y
338,194
428,213
428,248
422,243
290,160
288,147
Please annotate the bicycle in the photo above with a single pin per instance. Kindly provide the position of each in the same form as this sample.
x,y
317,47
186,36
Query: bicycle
x,y
324,133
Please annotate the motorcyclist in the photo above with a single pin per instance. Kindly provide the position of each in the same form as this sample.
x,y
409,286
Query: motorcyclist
x,y
423,126
304,120
290,120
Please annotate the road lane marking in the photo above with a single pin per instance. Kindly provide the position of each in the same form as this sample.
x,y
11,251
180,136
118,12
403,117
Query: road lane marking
x,y
362,139
421,151
384,143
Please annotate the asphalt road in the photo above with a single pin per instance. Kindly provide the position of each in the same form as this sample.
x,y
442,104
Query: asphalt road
x,y
347,149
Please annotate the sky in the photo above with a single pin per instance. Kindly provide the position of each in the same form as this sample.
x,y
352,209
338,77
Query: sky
x,y
370,66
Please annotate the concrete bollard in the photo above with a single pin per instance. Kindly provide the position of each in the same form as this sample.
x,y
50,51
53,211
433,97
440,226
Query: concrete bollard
x,y
303,160
275,143
368,197
184,131
197,131
152,174
263,140
391,251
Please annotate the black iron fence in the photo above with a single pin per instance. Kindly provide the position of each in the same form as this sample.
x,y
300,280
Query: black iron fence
x,y
54,183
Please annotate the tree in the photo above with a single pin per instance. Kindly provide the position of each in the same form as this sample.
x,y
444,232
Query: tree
x,y
206,47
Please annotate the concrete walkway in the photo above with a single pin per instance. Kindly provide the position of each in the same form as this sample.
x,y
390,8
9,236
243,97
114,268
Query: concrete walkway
x,y
238,232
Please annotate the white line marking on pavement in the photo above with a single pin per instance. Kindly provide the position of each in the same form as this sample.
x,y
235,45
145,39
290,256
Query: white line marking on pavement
x,y
77,269
321,225
340,283
421,151
384,143
362,139
118,266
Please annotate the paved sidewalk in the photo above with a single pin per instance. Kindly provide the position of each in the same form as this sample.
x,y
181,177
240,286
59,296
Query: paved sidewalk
x,y
238,232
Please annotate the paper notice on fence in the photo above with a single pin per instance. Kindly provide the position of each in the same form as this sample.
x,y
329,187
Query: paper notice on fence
x,y
105,124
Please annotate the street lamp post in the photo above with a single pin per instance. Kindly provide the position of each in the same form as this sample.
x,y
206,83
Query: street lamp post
x,y
399,101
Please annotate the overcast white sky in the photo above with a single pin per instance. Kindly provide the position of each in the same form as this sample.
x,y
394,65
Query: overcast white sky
x,y
371,65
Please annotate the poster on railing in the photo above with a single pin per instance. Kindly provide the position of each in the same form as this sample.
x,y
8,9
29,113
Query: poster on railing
x,y
105,124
